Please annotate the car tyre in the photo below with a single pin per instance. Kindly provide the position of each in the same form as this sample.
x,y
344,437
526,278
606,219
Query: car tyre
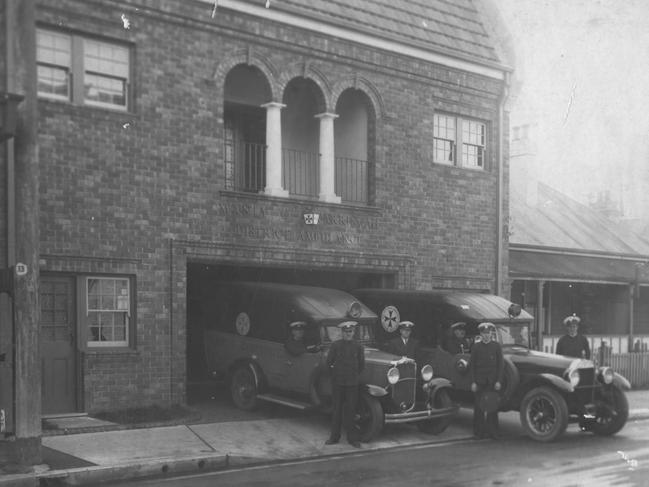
x,y
243,388
608,423
544,414
369,417
441,400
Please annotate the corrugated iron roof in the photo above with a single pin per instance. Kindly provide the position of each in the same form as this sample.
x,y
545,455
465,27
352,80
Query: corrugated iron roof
x,y
452,27
557,221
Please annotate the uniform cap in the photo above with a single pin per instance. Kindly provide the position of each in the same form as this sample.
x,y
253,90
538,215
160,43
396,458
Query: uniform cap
x,y
297,325
347,325
460,325
573,318
406,324
483,327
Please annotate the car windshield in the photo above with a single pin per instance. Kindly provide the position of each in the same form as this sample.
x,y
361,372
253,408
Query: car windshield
x,y
362,333
513,334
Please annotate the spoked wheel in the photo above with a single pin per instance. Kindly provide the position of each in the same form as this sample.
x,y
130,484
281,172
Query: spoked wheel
x,y
441,400
243,389
612,412
369,417
544,414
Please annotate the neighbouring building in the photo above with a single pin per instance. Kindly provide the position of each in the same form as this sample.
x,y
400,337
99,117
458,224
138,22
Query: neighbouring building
x,y
339,143
566,257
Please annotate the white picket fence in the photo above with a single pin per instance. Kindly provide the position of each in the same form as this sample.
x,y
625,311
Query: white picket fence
x,y
613,351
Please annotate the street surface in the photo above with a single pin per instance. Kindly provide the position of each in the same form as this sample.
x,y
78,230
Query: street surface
x,y
576,459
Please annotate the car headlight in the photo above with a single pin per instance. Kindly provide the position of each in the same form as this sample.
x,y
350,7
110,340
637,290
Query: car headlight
x,y
573,377
427,372
393,375
606,373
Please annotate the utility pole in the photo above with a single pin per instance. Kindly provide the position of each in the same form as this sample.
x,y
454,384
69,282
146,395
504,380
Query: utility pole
x,y
20,442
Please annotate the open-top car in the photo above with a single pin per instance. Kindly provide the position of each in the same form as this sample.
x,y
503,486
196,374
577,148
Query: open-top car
x,y
245,330
548,390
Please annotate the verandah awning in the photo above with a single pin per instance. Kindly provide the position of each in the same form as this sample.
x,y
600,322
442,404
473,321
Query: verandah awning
x,y
528,264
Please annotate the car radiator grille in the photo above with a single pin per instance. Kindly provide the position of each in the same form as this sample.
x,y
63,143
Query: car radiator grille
x,y
586,377
403,392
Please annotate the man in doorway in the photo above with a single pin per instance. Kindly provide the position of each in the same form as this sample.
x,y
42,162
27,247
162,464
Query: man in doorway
x,y
573,343
295,344
346,360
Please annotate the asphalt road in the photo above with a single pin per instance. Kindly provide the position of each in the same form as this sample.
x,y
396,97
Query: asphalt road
x,y
576,459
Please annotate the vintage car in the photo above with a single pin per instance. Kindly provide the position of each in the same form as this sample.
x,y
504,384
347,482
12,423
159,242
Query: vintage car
x,y
548,390
245,329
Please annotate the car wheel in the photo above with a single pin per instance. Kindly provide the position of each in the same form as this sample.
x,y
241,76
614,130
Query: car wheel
x,y
243,389
441,400
544,414
369,417
612,413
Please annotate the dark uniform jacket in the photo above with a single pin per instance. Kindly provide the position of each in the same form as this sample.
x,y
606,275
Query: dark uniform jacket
x,y
573,346
346,359
397,347
295,347
456,345
486,365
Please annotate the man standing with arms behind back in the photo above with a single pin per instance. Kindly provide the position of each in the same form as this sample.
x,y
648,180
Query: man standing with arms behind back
x,y
346,360
486,368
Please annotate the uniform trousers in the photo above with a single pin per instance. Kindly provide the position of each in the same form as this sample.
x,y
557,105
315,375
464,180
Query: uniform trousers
x,y
345,400
484,424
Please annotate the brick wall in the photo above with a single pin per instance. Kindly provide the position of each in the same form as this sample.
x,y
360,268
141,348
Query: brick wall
x,y
142,192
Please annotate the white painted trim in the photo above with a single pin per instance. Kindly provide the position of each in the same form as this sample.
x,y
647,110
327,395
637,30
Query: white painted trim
x,y
358,37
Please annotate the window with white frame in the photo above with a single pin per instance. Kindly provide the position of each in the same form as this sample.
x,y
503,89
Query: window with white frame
x,y
451,133
82,70
108,311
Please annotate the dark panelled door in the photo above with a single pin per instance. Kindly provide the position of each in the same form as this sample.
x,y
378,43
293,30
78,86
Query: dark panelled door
x,y
57,340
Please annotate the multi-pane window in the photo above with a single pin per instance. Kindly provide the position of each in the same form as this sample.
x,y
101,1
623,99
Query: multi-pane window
x,y
82,70
451,133
108,311
54,54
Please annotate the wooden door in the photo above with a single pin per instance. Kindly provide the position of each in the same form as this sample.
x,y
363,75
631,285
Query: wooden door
x,y
57,342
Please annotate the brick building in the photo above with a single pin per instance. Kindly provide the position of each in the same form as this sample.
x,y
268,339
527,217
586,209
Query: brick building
x,y
338,143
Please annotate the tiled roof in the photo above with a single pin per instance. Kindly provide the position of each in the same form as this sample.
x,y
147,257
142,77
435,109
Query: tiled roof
x,y
557,221
452,27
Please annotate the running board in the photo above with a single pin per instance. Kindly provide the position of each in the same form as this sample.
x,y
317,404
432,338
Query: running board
x,y
286,402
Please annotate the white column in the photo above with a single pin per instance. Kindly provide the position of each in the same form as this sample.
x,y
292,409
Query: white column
x,y
327,158
274,149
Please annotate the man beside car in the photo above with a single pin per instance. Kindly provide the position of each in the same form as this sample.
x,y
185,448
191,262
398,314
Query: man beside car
x,y
486,369
346,361
404,345
458,341
573,343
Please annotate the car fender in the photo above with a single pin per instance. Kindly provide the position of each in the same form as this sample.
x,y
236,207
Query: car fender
x,y
620,381
557,382
437,383
254,368
374,390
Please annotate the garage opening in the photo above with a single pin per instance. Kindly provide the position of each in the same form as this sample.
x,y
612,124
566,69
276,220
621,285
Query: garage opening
x,y
200,279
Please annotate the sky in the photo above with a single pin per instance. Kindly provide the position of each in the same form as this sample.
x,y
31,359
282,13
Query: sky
x,y
582,76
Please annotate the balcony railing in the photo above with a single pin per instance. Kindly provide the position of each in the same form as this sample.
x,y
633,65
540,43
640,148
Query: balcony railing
x,y
351,180
300,173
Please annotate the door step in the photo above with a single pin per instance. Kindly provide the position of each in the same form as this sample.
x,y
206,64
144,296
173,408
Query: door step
x,y
285,401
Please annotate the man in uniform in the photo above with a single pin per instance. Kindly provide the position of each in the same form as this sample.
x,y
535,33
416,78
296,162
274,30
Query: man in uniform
x,y
346,360
486,368
573,344
404,345
295,344
458,342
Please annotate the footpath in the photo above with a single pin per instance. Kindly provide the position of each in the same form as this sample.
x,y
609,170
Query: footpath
x,y
87,451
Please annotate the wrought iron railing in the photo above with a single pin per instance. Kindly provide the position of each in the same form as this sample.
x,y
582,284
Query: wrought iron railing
x,y
351,180
300,173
